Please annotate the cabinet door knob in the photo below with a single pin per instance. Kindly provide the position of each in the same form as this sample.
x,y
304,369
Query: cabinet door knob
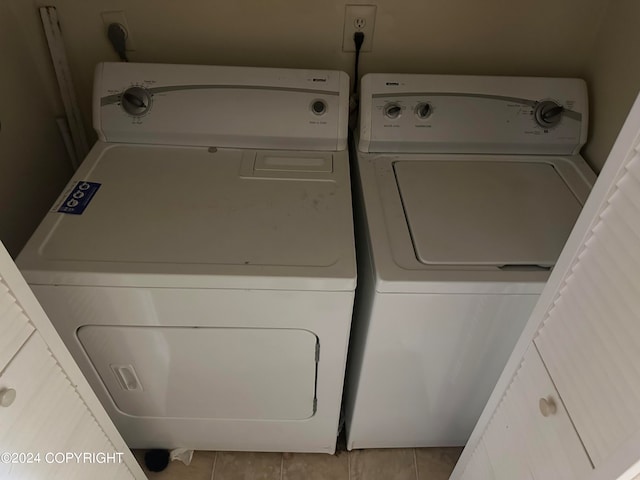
x,y
7,397
547,406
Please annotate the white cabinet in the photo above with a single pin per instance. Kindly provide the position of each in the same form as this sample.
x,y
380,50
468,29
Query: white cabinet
x,y
47,419
47,409
578,360
479,466
530,434
598,315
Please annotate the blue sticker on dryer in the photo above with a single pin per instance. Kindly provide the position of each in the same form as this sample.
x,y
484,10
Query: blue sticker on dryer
x,y
79,198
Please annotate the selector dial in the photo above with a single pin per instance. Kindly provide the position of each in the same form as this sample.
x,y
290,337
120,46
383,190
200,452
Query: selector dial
x,y
423,110
136,101
548,113
318,107
392,110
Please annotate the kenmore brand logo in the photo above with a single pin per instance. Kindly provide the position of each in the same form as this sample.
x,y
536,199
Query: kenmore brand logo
x,y
319,79
392,84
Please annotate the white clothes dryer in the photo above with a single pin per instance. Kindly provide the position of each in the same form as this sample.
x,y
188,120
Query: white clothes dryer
x,y
200,265
469,187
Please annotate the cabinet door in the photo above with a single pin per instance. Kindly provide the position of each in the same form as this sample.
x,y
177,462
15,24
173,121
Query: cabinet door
x,y
47,409
502,440
531,435
479,467
590,338
585,325
42,417
14,325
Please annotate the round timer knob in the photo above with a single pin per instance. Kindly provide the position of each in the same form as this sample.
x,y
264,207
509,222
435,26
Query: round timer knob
x,y
548,113
392,110
136,101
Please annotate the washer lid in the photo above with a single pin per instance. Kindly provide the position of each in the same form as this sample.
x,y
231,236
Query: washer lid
x,y
486,212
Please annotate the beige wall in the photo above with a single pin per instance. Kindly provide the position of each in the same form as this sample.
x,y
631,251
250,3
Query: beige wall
x,y
590,38
613,74
545,37
33,161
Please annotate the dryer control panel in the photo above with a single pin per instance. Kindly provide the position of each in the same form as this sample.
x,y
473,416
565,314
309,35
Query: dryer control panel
x,y
213,106
472,114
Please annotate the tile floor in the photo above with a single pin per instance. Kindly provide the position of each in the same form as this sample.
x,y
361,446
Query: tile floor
x,y
392,464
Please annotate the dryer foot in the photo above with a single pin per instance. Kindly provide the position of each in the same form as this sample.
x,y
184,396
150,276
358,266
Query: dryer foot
x,y
156,460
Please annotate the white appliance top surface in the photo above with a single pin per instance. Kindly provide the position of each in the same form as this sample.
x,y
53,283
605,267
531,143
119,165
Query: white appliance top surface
x,y
486,213
198,211
457,223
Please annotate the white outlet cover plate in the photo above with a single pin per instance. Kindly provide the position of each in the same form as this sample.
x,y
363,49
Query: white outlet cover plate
x,y
118,17
351,13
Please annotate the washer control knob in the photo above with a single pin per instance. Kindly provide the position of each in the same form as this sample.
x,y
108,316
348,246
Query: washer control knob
x,y
319,107
392,110
423,110
136,101
548,113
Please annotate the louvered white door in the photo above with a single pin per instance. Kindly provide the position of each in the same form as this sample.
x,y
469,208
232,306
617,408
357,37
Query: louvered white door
x,y
479,466
590,336
586,329
47,409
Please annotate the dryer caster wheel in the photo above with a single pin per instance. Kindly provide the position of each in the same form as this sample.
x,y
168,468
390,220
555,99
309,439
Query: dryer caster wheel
x,y
156,460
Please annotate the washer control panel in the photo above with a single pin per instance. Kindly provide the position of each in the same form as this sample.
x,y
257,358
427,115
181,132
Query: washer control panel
x,y
451,114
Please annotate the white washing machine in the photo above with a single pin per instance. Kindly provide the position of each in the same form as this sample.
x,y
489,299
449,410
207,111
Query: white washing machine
x,y
200,265
469,187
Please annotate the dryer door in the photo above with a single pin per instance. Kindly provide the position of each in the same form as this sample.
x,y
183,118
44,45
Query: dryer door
x,y
239,373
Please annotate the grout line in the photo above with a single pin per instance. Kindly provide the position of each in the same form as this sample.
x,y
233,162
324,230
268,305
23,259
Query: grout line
x,y
415,464
215,460
281,466
349,463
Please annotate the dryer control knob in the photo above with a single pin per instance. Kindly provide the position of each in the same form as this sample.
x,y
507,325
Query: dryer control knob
x,y
136,101
548,113
318,107
392,110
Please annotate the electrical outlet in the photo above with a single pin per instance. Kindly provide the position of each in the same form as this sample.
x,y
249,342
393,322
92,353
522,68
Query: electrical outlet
x,y
118,17
358,18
